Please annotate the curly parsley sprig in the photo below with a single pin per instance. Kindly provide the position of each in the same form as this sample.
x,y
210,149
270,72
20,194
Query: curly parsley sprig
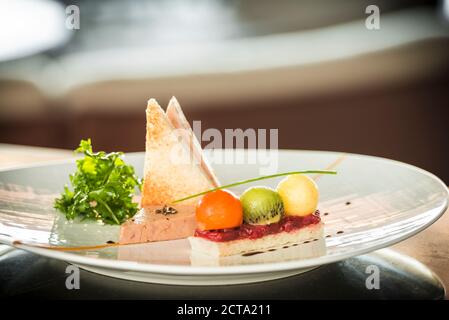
x,y
103,187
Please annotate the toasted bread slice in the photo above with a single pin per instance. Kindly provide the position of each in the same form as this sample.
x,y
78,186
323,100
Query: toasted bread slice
x,y
174,166
179,121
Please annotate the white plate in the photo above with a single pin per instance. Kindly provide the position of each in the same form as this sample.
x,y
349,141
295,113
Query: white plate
x,y
375,202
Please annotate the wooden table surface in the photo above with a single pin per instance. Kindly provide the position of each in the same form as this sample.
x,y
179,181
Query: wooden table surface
x,y
430,247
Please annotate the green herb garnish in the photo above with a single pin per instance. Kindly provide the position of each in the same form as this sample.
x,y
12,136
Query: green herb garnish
x,y
103,187
256,179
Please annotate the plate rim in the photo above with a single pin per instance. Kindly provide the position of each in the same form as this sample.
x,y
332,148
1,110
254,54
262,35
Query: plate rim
x,y
238,269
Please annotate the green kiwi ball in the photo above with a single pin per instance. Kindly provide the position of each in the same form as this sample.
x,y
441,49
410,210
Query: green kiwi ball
x,y
261,205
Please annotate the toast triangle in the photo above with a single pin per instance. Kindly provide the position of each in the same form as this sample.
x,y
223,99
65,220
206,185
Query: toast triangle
x,y
171,171
178,120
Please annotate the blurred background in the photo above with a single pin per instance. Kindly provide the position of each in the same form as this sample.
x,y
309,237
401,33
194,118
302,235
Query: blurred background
x,y
310,68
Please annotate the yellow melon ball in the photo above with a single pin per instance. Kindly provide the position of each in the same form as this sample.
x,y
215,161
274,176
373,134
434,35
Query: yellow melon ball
x,y
299,194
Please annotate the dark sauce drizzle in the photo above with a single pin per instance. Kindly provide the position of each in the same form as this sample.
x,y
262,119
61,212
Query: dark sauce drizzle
x,y
247,254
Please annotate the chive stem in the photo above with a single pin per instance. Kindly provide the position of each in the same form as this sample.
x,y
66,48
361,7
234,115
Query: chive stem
x,y
256,179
